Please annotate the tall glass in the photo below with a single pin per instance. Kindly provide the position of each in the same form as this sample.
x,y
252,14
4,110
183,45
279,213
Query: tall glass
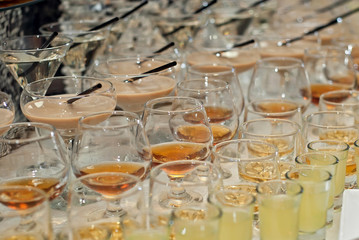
x,y
340,150
279,202
27,62
87,43
58,101
218,101
316,190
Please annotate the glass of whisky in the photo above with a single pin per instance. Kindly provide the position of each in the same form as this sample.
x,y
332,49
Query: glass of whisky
x,y
101,202
248,160
25,213
111,142
280,78
177,128
218,101
334,125
329,68
34,154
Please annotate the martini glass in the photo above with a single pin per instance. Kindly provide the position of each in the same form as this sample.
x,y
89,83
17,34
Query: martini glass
x,y
27,62
87,43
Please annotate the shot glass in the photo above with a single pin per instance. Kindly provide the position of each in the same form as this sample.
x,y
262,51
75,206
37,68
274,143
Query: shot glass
x,y
340,150
196,222
279,202
237,219
327,162
316,190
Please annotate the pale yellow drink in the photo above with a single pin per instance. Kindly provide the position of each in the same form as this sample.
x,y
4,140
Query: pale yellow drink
x,y
146,234
236,225
316,189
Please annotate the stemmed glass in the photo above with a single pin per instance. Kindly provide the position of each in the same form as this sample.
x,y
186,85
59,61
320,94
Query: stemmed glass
x,y
25,213
111,142
27,62
132,95
100,202
219,72
177,129
87,44
218,101
61,101
33,154
7,109
280,79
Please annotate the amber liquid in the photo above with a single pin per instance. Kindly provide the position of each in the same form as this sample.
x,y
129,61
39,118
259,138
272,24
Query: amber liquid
x,y
109,185
275,107
319,89
168,152
20,199
335,98
133,168
201,133
101,231
25,237
214,115
48,185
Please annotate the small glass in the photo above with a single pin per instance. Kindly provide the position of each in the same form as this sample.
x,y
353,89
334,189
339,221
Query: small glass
x,y
279,202
237,219
25,213
246,160
316,190
218,101
196,222
340,150
329,162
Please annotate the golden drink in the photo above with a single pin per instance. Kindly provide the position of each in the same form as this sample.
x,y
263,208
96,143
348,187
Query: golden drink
x,y
25,237
275,107
258,171
147,234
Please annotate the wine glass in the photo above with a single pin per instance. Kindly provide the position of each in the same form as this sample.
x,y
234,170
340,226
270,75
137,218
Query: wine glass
x,y
132,95
28,62
111,142
25,213
7,109
280,79
33,154
61,101
181,183
100,202
218,101
329,68
177,129
86,45
219,72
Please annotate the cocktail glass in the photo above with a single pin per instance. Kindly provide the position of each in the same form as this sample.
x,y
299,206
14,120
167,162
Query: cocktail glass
x,y
87,44
27,62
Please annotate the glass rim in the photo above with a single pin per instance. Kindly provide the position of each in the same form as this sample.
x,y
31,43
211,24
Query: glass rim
x,y
339,113
345,147
356,143
267,63
249,108
197,105
215,217
231,70
221,145
245,124
346,91
318,153
326,179
52,132
223,85
110,89
110,114
278,181
137,59
156,171
136,188
250,198
46,27
37,50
